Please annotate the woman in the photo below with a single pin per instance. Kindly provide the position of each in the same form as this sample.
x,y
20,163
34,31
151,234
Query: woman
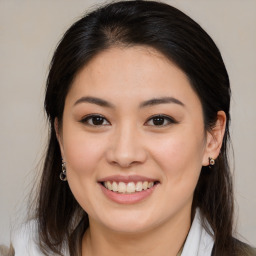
x,y
138,103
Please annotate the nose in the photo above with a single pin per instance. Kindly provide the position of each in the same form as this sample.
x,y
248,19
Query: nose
x,y
126,147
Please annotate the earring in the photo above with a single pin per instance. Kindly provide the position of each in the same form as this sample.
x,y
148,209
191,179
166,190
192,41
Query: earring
x,y
211,162
63,174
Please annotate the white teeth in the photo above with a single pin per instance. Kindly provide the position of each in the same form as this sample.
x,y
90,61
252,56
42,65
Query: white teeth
x,y
150,184
121,187
114,186
138,186
128,188
109,186
144,185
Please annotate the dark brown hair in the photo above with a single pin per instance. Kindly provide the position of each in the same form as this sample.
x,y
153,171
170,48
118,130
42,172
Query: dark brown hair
x,y
61,220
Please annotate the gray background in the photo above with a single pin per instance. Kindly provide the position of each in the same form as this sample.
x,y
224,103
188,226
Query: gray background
x,y
29,32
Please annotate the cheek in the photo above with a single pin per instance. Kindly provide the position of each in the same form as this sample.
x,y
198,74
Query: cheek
x,y
179,156
82,153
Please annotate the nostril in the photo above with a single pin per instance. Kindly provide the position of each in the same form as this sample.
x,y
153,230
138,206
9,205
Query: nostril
x,y
127,152
124,163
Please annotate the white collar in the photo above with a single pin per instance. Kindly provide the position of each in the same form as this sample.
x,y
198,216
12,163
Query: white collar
x,y
198,242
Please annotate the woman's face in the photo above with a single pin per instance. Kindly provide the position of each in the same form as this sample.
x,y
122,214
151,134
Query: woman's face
x,y
132,123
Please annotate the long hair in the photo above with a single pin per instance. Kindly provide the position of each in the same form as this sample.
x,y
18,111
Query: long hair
x,y
61,220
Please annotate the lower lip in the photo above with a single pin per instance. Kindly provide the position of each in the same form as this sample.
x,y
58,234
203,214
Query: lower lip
x,y
128,198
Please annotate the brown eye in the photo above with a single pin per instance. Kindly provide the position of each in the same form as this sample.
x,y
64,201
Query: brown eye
x,y
95,120
160,120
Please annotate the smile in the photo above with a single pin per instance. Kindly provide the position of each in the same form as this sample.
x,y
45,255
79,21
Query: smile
x,y
128,188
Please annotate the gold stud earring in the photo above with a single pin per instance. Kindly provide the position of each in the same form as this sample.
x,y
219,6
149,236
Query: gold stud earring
x,y
211,162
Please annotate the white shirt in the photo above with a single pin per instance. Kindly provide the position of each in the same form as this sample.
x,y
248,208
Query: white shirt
x,y
198,242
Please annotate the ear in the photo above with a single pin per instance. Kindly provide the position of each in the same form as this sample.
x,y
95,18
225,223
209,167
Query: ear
x,y
59,136
215,138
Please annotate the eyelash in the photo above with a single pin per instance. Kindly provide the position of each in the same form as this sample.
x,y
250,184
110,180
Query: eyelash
x,y
165,118
86,120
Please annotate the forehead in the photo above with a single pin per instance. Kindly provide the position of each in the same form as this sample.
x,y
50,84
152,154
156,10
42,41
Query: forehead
x,y
134,73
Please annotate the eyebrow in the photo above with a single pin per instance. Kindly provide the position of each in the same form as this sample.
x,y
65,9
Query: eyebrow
x,y
94,100
148,103
164,100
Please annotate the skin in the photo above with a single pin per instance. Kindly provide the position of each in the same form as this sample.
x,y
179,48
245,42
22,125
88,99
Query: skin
x,y
129,143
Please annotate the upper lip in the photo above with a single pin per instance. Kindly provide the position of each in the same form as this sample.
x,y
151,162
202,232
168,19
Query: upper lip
x,y
126,179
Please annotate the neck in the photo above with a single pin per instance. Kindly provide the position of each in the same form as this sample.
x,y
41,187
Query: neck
x,y
167,237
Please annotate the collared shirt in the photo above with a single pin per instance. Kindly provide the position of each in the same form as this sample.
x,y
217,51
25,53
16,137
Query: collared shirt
x,y
198,242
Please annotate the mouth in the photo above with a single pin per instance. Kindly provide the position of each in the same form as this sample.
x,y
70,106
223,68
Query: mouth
x,y
128,187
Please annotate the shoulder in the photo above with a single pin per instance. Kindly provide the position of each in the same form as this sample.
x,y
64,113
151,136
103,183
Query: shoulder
x,y
239,248
243,249
24,240
5,251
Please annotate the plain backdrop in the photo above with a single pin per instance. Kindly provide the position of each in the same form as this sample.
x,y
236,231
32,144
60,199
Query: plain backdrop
x,y
29,32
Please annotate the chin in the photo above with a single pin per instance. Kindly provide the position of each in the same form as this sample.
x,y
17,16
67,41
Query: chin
x,y
129,222
129,227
